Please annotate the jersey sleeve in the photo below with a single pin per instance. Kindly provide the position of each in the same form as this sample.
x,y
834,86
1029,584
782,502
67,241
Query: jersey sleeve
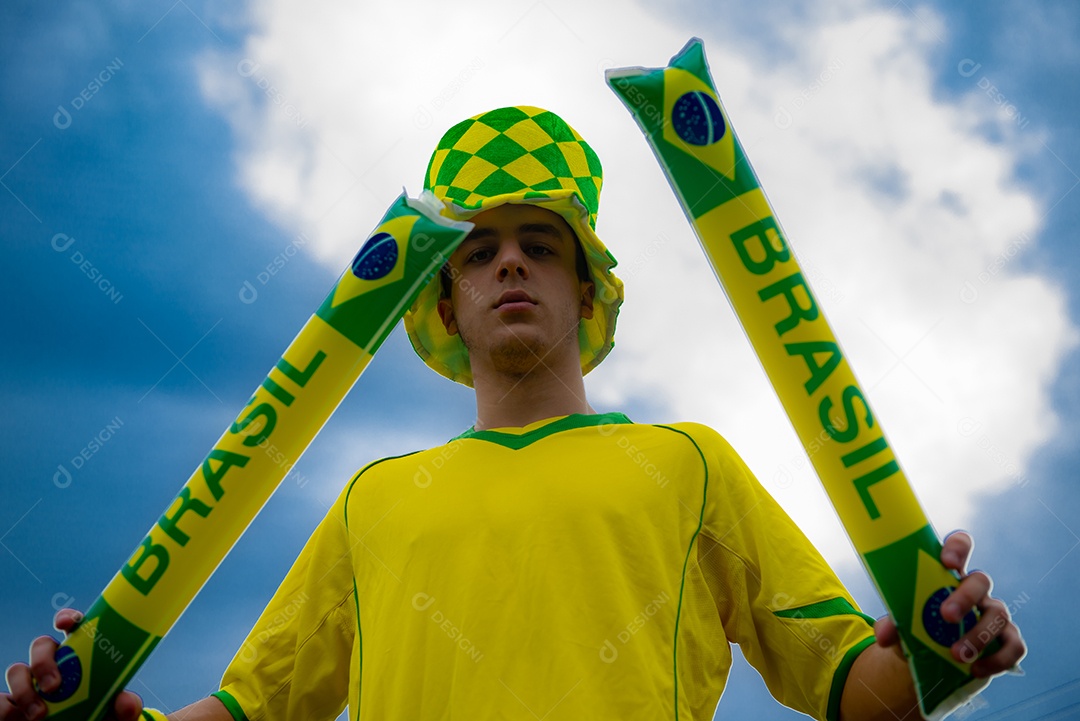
x,y
793,619
295,662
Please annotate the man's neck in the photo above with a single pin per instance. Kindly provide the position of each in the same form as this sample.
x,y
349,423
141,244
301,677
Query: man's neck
x,y
505,401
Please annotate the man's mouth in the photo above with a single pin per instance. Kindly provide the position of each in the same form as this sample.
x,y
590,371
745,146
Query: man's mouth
x,y
514,300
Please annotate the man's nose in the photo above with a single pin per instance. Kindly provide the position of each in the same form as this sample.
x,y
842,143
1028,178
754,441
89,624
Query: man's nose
x,y
511,262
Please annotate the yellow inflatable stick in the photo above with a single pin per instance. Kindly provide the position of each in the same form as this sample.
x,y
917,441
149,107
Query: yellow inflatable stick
x,y
236,478
678,110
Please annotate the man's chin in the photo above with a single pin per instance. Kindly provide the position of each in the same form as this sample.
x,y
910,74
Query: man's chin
x,y
517,357
516,351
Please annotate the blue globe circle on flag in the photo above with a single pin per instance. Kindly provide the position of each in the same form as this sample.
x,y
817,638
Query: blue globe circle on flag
x,y
70,675
697,118
377,258
940,630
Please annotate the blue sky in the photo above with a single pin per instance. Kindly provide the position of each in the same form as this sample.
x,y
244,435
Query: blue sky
x,y
134,209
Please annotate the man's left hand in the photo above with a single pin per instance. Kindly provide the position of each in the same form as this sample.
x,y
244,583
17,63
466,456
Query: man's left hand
x,y
972,593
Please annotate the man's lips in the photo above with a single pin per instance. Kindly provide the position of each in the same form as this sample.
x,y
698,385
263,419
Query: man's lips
x,y
514,300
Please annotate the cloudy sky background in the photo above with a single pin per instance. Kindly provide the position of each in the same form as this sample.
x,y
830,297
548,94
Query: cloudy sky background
x,y
922,158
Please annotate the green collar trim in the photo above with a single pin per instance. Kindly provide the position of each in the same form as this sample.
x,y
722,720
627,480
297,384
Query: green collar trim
x,y
542,429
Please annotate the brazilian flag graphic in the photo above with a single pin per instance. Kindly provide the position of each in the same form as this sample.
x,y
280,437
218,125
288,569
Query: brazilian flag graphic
x,y
256,452
680,113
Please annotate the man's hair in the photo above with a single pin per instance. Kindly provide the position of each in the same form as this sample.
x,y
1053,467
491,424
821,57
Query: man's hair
x,y
581,265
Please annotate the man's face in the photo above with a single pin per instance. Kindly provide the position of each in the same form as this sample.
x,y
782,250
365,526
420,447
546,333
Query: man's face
x,y
516,298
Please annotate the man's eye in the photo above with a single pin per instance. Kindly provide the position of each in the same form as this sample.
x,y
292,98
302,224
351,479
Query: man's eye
x,y
540,250
480,254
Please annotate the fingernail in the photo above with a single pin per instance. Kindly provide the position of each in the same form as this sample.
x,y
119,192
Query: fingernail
x,y
1016,671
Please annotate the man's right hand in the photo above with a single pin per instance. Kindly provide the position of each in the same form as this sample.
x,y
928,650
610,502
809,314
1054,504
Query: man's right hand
x,y
23,702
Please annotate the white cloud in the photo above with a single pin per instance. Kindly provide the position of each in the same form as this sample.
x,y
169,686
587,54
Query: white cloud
x,y
898,209
336,108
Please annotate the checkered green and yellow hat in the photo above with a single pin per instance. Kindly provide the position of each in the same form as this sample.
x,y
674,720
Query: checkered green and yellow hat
x,y
518,155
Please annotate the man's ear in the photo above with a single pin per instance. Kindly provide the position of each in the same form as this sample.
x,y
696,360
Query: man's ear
x,y
446,315
588,290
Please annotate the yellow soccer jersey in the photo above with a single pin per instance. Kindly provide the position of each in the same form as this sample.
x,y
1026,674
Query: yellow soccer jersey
x,y
583,567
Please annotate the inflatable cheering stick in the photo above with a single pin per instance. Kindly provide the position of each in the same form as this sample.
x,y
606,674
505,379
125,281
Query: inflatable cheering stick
x,y
678,110
236,478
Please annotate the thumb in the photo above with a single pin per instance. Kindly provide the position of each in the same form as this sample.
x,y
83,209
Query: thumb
x,y
885,632
128,707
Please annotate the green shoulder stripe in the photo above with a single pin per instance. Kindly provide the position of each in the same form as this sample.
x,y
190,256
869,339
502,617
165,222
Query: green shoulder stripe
x,y
824,609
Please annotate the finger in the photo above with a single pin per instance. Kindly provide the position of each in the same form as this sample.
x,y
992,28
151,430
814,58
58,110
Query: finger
x,y
885,632
8,710
43,663
22,693
128,706
972,591
956,551
66,619
1013,649
994,619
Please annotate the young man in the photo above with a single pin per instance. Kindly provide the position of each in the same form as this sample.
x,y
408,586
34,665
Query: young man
x,y
552,562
